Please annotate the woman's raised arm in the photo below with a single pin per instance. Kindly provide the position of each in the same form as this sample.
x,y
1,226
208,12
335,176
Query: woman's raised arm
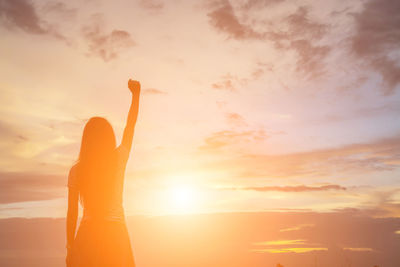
x,y
127,137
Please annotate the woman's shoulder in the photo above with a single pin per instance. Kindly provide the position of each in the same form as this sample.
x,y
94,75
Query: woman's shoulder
x,y
73,170
73,177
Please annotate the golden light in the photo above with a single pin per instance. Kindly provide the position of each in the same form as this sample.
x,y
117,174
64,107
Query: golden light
x,y
183,198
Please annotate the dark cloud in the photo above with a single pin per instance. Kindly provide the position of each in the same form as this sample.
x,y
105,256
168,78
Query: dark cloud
x,y
301,34
310,56
377,35
224,19
22,15
106,45
19,187
154,91
299,188
300,25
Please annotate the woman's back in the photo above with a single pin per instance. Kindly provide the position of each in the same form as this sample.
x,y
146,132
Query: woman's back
x,y
102,196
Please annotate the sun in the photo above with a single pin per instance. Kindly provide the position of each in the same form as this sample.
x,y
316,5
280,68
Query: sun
x,y
183,199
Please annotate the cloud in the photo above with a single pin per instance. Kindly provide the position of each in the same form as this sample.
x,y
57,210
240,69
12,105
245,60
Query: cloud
x,y
297,227
359,249
231,82
281,242
310,57
300,34
224,19
109,45
221,139
22,15
299,188
224,85
380,155
377,36
60,9
252,4
389,109
204,239
288,250
301,26
153,5
278,246
154,91
235,119
20,187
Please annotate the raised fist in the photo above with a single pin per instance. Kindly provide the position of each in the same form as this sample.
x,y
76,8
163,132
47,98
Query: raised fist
x,y
134,86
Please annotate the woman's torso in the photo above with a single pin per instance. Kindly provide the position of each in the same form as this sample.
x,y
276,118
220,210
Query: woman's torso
x,y
108,207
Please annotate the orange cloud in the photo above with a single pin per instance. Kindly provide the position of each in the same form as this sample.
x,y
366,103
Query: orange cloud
x,y
20,187
288,250
154,91
286,246
225,138
299,188
354,158
295,228
281,242
359,249
235,119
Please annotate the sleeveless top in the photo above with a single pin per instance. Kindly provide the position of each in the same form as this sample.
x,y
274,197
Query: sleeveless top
x,y
114,211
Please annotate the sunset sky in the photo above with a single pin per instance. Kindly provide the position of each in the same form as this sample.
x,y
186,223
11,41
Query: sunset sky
x,y
246,106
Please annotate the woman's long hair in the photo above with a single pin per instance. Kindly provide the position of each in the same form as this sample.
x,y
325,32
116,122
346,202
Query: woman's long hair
x,y
96,164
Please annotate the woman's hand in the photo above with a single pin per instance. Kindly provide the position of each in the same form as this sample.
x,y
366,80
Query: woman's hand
x,y
134,86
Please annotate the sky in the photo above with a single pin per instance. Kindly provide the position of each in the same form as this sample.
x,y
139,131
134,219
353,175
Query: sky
x,y
247,106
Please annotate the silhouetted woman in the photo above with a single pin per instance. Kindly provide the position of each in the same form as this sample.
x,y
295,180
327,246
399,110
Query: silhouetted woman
x,y
97,179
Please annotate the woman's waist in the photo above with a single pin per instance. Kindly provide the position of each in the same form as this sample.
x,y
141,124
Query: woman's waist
x,y
109,214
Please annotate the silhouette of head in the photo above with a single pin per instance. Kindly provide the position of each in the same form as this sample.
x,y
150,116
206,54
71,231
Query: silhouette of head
x,y
98,140
96,165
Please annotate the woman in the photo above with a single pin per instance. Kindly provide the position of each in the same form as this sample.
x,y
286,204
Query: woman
x,y
97,180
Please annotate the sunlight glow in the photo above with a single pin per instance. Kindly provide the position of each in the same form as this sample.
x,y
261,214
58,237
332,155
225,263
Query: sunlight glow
x,y
183,198
281,242
296,227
